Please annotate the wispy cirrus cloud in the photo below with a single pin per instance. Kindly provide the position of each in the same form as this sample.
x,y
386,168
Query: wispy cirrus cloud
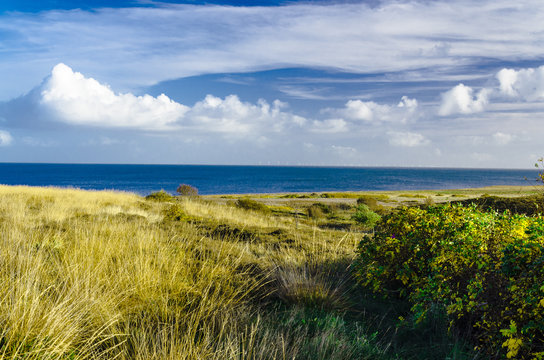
x,y
141,46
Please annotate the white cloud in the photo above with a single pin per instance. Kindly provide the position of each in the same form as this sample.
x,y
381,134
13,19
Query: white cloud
x,y
75,99
142,46
367,111
526,84
407,139
370,112
71,98
502,138
344,151
231,115
522,86
406,102
5,138
330,126
460,100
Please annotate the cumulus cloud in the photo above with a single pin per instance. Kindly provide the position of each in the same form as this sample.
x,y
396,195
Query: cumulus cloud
x,y
5,138
525,84
75,99
367,111
358,111
71,98
460,100
407,139
231,115
521,86
329,126
406,102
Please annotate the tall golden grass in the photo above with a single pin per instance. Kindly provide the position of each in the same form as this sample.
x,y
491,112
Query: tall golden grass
x,y
103,275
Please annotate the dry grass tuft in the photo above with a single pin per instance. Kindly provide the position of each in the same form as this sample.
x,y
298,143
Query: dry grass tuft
x,y
109,275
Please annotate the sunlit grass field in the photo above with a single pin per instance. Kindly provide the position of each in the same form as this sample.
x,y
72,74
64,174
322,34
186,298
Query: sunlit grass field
x,y
111,275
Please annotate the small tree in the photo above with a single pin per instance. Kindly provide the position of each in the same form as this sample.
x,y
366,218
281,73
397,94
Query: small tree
x,y
187,190
366,217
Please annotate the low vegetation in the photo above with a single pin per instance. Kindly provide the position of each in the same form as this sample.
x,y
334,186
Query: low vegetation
x,y
102,275
187,190
483,269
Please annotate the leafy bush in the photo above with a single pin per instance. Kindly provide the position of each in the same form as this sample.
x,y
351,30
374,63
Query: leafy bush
x,y
369,201
372,202
486,269
174,213
187,190
366,217
529,205
250,204
159,196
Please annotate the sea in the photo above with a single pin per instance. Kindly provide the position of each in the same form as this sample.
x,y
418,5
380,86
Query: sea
x,y
220,179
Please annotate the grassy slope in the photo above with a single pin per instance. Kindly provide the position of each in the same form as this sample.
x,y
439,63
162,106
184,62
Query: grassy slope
x,y
112,275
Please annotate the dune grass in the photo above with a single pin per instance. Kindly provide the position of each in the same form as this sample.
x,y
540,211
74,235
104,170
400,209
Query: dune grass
x,y
111,275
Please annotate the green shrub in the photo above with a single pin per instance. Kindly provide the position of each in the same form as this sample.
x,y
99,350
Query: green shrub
x,y
365,217
529,205
250,204
160,196
187,190
368,200
486,269
174,213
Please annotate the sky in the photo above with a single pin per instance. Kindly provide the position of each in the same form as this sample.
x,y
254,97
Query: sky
x,y
431,83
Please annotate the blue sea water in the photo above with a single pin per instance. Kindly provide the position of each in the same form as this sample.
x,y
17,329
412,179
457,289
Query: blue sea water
x,y
144,179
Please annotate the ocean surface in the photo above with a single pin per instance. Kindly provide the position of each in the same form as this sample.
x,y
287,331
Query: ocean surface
x,y
144,179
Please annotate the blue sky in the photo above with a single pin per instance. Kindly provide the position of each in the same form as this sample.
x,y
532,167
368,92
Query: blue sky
x,y
352,83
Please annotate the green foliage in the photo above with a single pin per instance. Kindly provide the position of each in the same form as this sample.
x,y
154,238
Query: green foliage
x,y
365,217
369,201
187,190
249,204
486,269
174,213
160,196
529,205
